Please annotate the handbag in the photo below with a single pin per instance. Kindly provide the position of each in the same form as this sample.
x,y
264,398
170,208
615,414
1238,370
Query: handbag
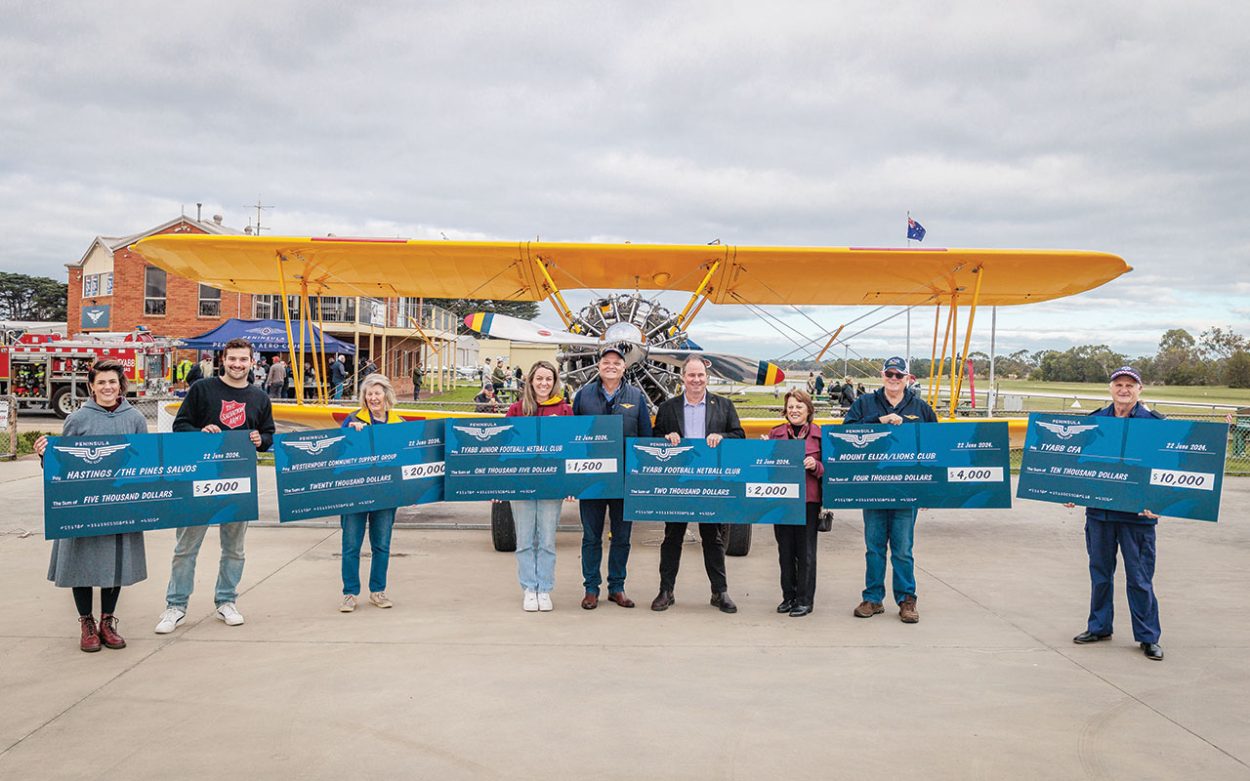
x,y
824,521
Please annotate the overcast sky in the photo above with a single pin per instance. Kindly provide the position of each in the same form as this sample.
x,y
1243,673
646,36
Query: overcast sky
x,y
1116,126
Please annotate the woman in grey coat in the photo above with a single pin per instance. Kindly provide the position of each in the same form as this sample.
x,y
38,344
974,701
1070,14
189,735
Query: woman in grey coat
x,y
108,561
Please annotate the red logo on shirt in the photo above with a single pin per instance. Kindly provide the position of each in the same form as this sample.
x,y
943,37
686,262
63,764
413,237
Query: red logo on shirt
x,y
233,413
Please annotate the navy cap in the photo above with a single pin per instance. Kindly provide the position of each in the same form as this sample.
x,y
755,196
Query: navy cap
x,y
612,348
895,364
1126,371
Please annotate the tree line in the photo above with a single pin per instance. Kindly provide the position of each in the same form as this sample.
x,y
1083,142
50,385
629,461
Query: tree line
x,y
1217,356
23,297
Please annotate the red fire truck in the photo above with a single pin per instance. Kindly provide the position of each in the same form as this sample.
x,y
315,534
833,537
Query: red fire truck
x,y
49,371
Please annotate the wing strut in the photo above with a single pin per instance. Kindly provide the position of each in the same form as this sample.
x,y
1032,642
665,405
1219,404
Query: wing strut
x,y
557,300
829,343
972,316
296,376
704,290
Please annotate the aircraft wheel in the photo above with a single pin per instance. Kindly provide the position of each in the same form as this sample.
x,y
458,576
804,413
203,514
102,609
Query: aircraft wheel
x,y
738,542
502,529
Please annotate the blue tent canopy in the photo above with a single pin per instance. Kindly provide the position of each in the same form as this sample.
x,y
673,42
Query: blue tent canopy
x,y
266,336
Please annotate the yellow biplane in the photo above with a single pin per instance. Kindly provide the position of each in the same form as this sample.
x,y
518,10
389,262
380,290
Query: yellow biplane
x,y
954,280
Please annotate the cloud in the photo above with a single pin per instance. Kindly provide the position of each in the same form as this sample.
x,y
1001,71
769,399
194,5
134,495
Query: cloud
x,y
1116,126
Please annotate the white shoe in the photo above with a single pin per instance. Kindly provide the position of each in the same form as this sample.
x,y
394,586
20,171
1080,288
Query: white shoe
x,y
544,602
230,614
380,599
348,604
530,603
169,620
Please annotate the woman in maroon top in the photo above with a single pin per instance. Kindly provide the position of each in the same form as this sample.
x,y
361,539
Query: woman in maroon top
x,y
536,519
796,545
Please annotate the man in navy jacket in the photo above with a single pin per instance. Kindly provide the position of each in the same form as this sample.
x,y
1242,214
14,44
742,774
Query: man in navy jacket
x,y
894,403
608,394
1132,533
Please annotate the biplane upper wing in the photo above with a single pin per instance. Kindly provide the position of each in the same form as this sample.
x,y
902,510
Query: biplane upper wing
x,y
741,275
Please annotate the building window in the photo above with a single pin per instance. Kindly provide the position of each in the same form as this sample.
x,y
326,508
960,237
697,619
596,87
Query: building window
x,y
154,291
90,285
108,284
266,307
210,301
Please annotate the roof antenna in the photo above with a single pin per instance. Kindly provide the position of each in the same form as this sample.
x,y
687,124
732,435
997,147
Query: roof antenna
x,y
198,209
258,206
714,242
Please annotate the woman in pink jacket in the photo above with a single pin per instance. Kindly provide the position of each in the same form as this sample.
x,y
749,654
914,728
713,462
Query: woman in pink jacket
x,y
796,545
536,519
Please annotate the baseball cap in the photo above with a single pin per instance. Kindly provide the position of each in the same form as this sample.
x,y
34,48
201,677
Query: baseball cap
x,y
1126,371
895,364
612,348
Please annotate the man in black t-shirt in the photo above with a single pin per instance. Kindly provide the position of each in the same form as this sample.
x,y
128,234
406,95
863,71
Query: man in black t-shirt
x,y
213,405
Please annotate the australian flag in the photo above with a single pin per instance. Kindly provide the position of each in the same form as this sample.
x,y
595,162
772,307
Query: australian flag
x,y
914,230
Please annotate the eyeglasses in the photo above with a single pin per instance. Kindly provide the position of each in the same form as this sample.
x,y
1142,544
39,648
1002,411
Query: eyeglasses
x,y
894,376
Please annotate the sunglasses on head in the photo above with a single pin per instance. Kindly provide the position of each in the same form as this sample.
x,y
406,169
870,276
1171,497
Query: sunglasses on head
x,y
895,375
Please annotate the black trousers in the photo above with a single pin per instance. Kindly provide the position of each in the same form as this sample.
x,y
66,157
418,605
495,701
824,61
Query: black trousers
x,y
796,550
713,536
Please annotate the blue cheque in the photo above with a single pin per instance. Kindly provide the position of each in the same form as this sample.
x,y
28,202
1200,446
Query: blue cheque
x,y
738,481
139,482
534,458
338,471
1170,467
938,465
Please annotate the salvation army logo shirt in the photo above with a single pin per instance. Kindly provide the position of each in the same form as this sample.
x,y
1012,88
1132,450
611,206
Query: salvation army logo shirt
x,y
233,413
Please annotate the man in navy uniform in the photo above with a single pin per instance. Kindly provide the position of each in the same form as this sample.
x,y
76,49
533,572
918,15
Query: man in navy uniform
x,y
1132,533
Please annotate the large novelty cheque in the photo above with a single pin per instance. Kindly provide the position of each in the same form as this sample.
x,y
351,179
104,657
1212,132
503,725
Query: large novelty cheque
x,y
738,481
938,465
342,470
548,457
1170,467
139,482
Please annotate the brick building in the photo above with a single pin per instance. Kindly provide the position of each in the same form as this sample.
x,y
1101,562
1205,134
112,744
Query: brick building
x,y
112,289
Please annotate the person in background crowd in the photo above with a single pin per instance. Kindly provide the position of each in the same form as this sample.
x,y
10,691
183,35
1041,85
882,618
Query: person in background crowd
x,y
696,414
194,374
796,545
310,381
338,375
206,365
499,377
811,384
108,561
609,394
820,385
276,380
536,519
835,393
1132,533
378,409
485,400
860,390
214,405
895,403
260,372
848,393
416,381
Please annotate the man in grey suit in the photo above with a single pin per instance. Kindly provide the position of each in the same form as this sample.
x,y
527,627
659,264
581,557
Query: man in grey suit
x,y
696,414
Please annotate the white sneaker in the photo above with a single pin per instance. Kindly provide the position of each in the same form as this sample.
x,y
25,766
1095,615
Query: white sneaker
x,y
380,599
530,603
169,620
544,602
348,604
230,614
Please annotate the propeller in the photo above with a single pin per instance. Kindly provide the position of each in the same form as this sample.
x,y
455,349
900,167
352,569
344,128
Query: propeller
x,y
633,346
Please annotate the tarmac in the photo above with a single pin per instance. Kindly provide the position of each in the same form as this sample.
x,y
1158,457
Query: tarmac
x,y
456,682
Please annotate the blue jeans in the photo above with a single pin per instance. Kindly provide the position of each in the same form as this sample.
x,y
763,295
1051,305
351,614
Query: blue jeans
x,y
593,512
895,527
536,522
1136,543
338,390
229,570
380,523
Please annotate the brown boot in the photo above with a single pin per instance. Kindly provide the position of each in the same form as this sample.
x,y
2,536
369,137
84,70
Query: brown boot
x,y
868,609
907,611
108,632
90,637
